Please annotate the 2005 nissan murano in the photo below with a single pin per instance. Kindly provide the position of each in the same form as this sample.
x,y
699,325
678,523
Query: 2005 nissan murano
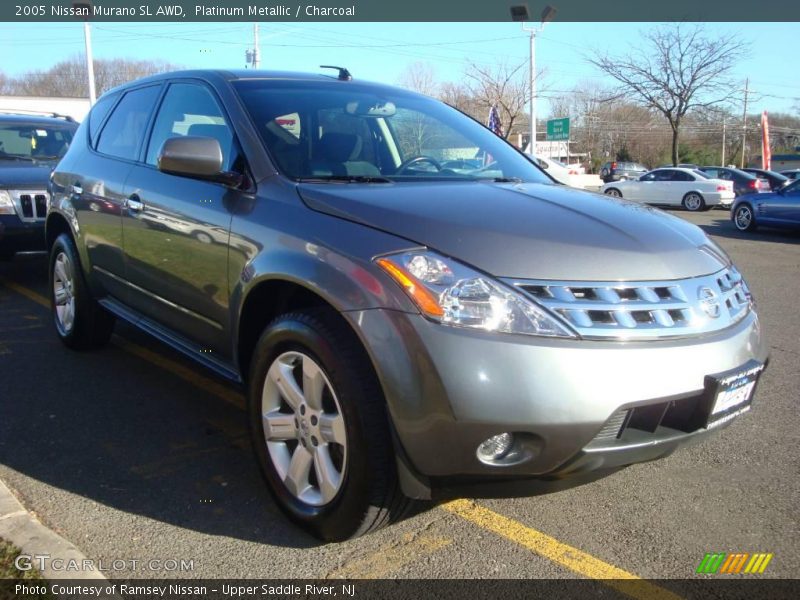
x,y
409,301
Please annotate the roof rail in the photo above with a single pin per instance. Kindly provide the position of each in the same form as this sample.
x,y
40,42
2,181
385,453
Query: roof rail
x,y
43,113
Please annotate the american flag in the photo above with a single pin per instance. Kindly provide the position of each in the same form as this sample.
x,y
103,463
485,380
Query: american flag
x,y
494,121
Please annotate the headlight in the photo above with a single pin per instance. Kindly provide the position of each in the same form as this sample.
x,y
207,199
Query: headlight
x,y
6,204
452,294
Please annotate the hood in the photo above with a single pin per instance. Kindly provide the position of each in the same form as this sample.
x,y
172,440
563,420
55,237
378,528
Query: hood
x,y
20,174
526,231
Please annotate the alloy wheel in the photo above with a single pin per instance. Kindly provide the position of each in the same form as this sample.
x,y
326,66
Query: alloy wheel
x,y
64,292
743,218
693,202
304,428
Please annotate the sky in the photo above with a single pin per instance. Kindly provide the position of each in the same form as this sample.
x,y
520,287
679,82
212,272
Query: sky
x,y
382,51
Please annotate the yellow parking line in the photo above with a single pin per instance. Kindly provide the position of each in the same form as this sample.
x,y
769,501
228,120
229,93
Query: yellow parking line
x,y
383,561
558,552
563,554
182,371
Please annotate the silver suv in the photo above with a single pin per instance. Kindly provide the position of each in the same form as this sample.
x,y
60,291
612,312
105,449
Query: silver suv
x,y
410,302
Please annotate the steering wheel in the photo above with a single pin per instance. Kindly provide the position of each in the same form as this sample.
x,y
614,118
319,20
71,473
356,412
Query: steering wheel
x,y
417,159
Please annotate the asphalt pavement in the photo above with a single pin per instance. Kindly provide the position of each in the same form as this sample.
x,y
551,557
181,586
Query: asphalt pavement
x,y
134,454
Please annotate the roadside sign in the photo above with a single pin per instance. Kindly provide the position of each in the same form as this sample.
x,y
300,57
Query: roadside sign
x,y
558,129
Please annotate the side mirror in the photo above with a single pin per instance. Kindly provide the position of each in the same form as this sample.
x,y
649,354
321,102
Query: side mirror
x,y
196,157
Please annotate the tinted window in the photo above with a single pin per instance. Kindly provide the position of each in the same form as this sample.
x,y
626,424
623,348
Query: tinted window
x,y
712,173
681,176
663,175
35,140
190,109
126,126
98,113
375,131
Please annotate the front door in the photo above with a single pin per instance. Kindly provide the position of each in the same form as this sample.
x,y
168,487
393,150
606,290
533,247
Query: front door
x,y
176,229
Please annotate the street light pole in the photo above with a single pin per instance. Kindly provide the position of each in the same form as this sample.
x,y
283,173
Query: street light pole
x,y
520,13
533,91
84,9
87,38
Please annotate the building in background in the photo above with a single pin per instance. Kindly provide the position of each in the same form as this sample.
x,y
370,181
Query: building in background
x,y
70,107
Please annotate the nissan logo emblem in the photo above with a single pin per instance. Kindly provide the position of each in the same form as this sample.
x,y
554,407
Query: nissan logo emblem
x,y
709,301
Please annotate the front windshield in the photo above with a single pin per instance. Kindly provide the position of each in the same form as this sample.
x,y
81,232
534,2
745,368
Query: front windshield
x,y
34,141
326,131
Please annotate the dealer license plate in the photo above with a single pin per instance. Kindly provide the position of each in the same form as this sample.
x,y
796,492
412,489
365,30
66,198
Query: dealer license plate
x,y
734,390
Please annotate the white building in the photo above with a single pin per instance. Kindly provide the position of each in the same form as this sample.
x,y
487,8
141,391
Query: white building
x,y
71,107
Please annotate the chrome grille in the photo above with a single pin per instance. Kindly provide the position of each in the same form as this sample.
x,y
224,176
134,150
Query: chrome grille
x,y
645,309
31,205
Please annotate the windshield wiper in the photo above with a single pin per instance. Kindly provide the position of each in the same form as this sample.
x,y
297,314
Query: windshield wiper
x,y
16,157
345,178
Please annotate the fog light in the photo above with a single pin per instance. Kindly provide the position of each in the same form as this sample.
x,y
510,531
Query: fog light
x,y
496,447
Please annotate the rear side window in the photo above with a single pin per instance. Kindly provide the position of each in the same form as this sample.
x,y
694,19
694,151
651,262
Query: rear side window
x,y
126,126
681,176
98,114
190,109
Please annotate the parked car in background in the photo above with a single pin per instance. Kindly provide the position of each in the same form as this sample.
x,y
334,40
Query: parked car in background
x,y
398,325
673,187
791,173
779,208
743,183
680,165
566,174
30,146
621,171
775,180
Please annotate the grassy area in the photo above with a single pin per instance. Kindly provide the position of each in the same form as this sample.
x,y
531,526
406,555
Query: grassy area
x,y
8,553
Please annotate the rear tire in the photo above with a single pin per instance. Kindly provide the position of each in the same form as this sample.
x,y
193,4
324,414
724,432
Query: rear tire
x,y
329,462
744,219
694,202
80,322
613,192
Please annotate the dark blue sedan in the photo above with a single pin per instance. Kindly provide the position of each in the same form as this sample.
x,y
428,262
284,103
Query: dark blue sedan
x,y
780,208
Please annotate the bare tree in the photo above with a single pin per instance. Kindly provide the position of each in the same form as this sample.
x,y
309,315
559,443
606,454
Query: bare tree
x,y
679,69
68,78
420,77
504,86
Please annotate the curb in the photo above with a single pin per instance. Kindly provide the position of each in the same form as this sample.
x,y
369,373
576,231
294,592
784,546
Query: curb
x,y
26,532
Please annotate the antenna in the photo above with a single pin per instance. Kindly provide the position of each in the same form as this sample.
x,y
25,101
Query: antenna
x,y
344,74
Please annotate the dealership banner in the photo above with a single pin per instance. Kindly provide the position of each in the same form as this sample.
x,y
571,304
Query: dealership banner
x,y
407,11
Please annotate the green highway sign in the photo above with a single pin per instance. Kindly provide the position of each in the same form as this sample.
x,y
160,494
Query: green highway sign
x,y
558,129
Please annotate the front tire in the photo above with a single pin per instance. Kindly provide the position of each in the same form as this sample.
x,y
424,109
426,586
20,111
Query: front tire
x,y
744,219
613,192
80,322
320,428
694,202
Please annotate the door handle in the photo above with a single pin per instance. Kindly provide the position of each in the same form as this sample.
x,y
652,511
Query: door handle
x,y
77,189
134,204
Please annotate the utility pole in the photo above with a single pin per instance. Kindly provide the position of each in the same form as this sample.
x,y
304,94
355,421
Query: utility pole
x,y
744,119
256,49
724,123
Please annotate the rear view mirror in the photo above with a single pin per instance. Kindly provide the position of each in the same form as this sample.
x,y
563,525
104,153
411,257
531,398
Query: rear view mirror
x,y
376,108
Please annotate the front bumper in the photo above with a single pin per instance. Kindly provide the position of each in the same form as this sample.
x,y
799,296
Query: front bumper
x,y
18,236
449,389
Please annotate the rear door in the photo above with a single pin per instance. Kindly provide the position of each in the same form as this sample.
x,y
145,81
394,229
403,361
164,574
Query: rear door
x,y
117,127
177,228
